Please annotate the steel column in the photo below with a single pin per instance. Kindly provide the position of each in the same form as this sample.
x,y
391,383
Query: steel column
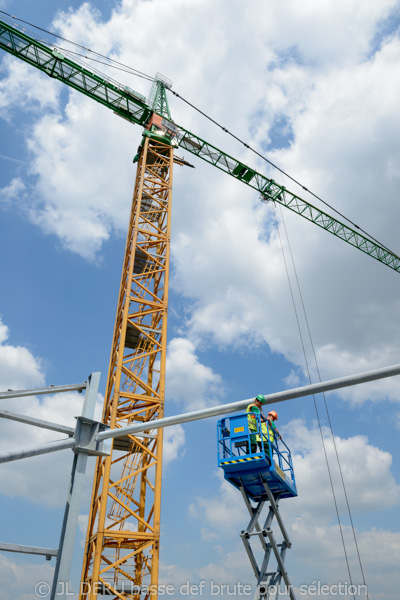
x,y
71,514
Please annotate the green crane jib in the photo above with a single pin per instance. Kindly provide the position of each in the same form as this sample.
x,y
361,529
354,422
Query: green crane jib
x,y
155,113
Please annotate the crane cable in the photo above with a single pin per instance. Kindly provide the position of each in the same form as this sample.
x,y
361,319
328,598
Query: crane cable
x,y
121,66
315,403
371,237
127,69
314,399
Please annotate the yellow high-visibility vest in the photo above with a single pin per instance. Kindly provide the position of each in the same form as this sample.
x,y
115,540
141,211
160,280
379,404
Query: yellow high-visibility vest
x,y
266,429
251,417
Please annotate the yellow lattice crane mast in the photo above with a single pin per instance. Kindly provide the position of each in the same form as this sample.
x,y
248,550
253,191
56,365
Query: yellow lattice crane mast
x,y
122,543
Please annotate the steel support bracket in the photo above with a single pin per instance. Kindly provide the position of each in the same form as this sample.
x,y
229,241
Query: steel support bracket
x,y
86,433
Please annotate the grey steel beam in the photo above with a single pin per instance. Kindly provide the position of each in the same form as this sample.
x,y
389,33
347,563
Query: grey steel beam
x,y
70,523
300,392
28,549
6,414
11,455
52,389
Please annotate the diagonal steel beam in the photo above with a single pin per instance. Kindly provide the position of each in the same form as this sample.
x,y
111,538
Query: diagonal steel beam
x,y
52,389
7,414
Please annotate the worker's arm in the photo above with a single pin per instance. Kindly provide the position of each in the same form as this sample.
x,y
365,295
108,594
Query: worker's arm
x,y
274,427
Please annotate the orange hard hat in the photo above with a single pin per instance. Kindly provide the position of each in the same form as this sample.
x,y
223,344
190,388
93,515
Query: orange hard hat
x,y
273,414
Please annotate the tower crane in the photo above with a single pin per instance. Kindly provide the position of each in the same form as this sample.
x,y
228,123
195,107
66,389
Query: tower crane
x,y
123,535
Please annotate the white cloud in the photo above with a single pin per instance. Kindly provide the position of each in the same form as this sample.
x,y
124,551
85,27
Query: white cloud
x,y
24,581
331,81
378,550
337,99
19,369
13,191
292,380
174,443
40,479
366,471
223,512
24,87
310,517
190,384
83,210
174,575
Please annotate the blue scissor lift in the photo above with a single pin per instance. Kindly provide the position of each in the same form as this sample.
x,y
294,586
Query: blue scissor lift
x,y
263,472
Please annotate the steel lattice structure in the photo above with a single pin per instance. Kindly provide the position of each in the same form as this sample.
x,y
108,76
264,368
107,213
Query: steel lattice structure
x,y
122,544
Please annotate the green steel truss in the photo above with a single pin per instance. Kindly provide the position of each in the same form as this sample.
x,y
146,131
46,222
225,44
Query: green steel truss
x,y
272,191
124,102
157,100
133,107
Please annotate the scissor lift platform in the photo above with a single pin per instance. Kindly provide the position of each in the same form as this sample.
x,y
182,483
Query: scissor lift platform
x,y
263,472
270,462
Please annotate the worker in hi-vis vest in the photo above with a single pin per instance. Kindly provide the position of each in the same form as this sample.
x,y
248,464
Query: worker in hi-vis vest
x,y
268,427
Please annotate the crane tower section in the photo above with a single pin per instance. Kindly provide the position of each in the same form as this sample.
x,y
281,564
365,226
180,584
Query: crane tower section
x,y
122,543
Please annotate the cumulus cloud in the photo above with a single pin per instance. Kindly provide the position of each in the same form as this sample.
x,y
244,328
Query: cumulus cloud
x,y
40,479
226,253
366,471
322,99
190,384
23,87
18,580
222,512
310,518
378,550
13,191
174,442
19,369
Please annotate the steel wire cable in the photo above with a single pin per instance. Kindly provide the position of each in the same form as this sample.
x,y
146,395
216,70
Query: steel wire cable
x,y
121,66
126,68
315,402
371,237
325,402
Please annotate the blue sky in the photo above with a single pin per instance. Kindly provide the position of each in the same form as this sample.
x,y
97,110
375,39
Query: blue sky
x,y
315,86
